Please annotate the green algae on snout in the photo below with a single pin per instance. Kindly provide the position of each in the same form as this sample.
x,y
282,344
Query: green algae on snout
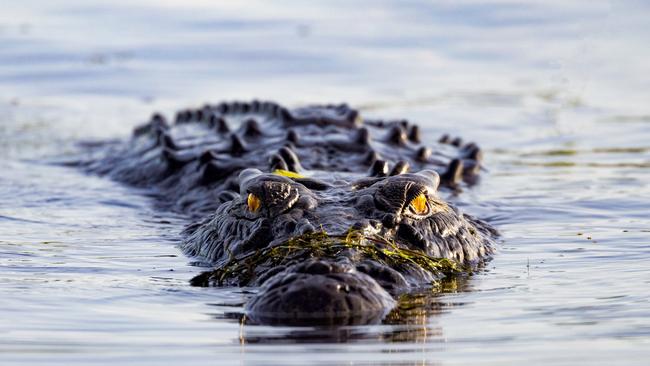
x,y
243,270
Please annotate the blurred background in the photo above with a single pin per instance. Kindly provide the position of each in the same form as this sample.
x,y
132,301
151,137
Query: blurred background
x,y
556,92
360,51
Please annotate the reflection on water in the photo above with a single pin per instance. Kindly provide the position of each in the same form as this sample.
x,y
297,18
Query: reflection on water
x,y
408,322
555,92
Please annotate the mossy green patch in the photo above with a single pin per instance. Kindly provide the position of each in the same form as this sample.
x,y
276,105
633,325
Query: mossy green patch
x,y
244,269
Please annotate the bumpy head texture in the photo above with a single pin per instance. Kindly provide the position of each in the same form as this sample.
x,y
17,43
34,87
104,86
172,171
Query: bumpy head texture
x,y
330,214
194,163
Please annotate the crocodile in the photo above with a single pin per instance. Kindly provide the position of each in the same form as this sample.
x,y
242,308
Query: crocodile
x,y
330,216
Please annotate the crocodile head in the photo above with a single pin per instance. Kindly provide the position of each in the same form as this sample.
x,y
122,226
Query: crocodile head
x,y
334,246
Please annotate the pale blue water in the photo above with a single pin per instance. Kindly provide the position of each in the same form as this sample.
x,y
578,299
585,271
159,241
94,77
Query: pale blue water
x,y
557,93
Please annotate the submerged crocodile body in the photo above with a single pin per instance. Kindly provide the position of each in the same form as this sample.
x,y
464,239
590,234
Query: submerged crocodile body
x,y
332,216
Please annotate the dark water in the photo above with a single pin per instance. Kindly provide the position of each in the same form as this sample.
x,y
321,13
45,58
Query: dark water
x,y
557,93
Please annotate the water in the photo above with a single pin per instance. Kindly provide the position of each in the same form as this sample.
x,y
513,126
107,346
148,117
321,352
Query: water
x,y
555,92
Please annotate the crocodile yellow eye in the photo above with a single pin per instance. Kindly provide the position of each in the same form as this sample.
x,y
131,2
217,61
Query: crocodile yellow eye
x,y
254,202
419,204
